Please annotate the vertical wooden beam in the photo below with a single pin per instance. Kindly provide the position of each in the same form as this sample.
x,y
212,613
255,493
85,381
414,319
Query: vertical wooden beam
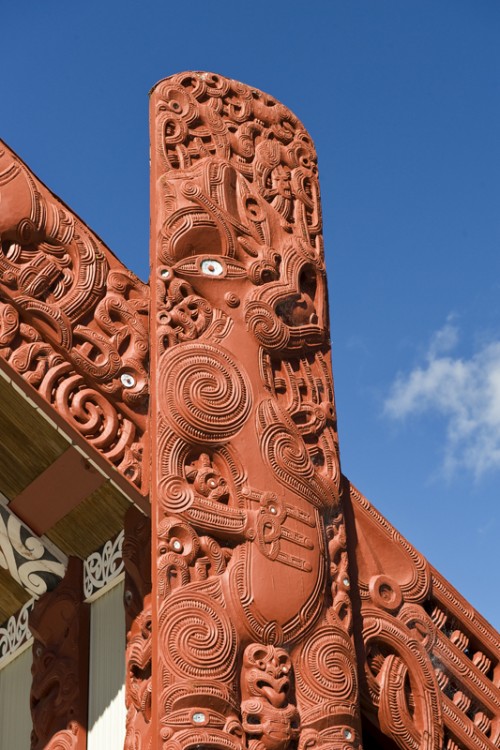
x,y
251,613
137,600
59,622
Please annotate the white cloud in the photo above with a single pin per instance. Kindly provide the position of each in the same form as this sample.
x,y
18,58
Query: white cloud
x,y
464,392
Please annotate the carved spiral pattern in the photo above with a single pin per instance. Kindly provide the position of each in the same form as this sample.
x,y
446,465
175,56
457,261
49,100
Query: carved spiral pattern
x,y
287,451
15,631
231,299
199,640
103,565
287,455
176,494
265,325
207,397
66,739
326,667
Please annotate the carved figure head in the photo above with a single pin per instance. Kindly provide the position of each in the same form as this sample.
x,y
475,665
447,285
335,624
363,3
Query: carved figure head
x,y
239,214
269,719
266,673
139,661
59,625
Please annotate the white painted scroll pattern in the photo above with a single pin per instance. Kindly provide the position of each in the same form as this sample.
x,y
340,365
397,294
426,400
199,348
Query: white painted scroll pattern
x,y
15,631
103,566
27,557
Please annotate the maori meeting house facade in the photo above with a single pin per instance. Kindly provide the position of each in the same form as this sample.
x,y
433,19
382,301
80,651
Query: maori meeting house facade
x,y
183,566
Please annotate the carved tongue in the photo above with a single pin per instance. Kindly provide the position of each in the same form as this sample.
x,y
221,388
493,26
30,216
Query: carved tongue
x,y
275,699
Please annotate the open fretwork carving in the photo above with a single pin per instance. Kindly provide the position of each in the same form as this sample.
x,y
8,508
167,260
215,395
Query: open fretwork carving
x,y
432,677
73,319
251,563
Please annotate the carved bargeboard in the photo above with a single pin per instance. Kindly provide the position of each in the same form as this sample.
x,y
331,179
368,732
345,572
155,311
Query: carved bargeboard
x,y
250,584
73,319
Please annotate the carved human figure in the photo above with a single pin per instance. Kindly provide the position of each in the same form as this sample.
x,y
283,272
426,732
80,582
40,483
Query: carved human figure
x,y
247,471
137,602
269,719
59,622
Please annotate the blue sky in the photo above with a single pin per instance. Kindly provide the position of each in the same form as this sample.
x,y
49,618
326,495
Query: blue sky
x,y
402,98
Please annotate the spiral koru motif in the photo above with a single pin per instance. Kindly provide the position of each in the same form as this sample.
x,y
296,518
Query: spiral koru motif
x,y
199,640
206,396
175,494
326,667
266,326
284,451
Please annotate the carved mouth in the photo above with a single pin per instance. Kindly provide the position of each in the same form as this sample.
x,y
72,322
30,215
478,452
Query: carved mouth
x,y
297,312
141,673
45,692
300,308
139,655
276,697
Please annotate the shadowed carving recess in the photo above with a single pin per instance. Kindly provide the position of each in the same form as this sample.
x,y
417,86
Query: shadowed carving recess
x,y
73,320
137,601
59,622
252,607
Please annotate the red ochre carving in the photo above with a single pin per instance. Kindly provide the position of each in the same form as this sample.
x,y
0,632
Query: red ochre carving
x,y
431,664
59,622
268,566
73,320
137,601
251,607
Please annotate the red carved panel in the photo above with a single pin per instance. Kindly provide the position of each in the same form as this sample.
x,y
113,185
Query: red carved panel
x,y
137,561
72,318
431,663
250,571
59,622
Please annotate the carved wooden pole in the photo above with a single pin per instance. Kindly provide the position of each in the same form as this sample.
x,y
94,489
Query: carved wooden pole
x,y
251,607
137,561
60,626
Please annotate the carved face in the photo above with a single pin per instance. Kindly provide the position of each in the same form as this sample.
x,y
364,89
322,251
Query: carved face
x,y
266,673
139,661
55,684
54,687
281,181
225,239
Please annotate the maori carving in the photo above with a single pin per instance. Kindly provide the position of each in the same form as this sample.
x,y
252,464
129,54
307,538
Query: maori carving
x,y
251,575
72,319
401,681
15,632
429,677
270,721
103,566
27,557
137,600
59,622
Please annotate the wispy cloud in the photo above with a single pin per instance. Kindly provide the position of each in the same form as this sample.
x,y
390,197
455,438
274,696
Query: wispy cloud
x,y
464,392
